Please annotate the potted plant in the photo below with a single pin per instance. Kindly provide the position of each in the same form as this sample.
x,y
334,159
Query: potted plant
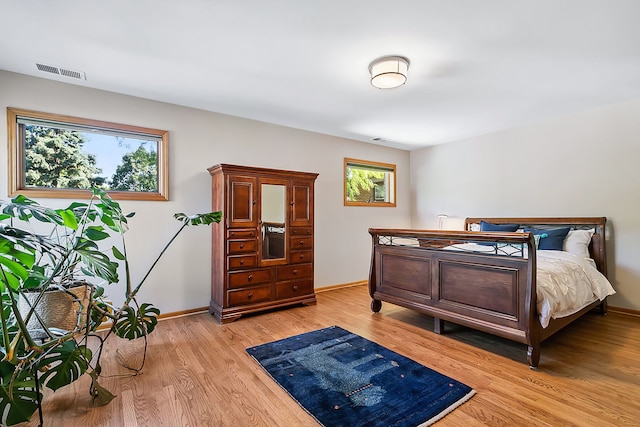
x,y
48,252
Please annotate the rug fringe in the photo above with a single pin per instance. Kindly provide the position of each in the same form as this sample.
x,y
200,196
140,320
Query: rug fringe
x,y
442,414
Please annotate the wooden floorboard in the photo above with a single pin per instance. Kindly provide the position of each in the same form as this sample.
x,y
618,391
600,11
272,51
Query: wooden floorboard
x,y
197,372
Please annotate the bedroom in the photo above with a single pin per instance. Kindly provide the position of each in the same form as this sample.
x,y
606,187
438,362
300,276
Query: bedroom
x,y
582,163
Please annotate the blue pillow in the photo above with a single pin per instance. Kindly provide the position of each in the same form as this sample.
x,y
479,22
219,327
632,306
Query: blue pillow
x,y
554,240
487,226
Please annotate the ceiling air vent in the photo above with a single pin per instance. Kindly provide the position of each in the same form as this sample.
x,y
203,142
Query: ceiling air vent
x,y
61,71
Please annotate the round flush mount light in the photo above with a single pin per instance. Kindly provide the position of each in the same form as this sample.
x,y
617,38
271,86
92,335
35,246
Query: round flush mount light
x,y
389,72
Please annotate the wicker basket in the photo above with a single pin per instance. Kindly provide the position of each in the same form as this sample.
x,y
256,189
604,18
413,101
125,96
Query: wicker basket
x,y
57,309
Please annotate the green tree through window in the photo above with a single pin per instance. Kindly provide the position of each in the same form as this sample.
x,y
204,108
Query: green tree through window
x,y
137,172
361,184
54,159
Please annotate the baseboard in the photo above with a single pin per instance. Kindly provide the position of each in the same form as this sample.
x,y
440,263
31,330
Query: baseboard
x,y
181,313
198,310
626,311
164,316
343,285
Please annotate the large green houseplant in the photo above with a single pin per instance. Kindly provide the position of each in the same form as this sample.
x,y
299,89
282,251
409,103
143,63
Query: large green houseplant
x,y
44,250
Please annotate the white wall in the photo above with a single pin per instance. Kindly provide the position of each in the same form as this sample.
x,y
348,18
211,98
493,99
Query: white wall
x,y
198,140
581,165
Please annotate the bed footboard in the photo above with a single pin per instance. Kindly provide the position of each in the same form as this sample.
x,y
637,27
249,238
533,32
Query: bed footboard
x,y
492,292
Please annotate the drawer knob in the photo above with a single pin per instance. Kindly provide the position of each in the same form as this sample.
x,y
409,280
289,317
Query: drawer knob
x,y
301,242
241,262
249,296
295,287
242,246
301,256
295,271
250,278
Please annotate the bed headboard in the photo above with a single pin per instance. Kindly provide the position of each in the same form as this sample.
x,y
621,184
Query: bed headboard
x,y
597,247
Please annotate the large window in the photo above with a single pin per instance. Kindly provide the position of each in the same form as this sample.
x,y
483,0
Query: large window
x,y
59,156
369,183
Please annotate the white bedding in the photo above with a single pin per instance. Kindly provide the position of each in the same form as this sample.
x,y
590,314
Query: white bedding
x,y
565,282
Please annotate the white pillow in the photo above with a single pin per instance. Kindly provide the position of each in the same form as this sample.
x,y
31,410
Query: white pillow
x,y
577,242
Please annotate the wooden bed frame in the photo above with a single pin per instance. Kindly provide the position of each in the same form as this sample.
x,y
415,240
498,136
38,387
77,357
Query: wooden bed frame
x,y
488,292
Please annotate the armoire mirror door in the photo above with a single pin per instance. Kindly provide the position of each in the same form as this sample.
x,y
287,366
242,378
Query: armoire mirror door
x,y
273,221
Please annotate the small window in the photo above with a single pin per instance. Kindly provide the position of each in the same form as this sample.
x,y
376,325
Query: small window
x,y
59,156
369,183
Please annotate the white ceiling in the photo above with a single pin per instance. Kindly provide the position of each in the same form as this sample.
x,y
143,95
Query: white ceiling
x,y
477,66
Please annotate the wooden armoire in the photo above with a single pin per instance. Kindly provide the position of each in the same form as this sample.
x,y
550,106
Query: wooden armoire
x,y
262,251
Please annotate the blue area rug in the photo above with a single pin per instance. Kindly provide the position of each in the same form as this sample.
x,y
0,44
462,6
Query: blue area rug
x,y
342,379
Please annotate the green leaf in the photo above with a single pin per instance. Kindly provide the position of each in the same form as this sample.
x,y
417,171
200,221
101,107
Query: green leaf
x,y
9,250
96,232
132,324
96,316
107,220
98,291
77,205
97,262
199,219
22,200
15,268
101,395
23,390
47,215
67,362
116,253
69,219
9,279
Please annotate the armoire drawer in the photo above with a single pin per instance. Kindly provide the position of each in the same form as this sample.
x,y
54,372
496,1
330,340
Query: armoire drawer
x,y
249,296
242,246
291,272
237,262
301,231
299,257
241,234
241,279
294,289
300,242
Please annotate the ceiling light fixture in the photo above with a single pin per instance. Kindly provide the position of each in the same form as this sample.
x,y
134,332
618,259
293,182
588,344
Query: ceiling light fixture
x,y
389,72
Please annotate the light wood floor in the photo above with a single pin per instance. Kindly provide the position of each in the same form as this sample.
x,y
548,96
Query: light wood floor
x,y
197,372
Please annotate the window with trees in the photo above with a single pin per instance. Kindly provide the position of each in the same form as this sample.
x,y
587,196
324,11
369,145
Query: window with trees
x,y
51,155
369,183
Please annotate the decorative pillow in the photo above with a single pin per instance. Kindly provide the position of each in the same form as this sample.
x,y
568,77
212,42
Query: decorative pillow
x,y
554,240
487,226
577,242
537,238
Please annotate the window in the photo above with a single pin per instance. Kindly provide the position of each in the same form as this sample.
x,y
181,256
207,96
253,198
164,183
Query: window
x,y
59,156
369,183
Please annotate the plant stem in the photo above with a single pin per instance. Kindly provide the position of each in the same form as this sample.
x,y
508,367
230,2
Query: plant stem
x,y
137,288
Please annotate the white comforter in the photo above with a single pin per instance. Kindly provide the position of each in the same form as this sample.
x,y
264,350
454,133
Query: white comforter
x,y
565,282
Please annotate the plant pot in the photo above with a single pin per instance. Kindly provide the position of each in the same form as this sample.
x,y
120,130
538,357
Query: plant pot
x,y
57,309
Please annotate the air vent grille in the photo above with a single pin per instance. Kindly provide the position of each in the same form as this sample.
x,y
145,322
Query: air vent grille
x,y
48,69
61,71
